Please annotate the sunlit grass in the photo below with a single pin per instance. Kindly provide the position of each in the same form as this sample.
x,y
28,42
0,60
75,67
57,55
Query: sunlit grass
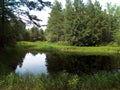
x,y
47,46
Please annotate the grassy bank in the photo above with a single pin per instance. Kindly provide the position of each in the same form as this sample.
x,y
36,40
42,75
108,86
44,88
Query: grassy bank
x,y
47,46
64,81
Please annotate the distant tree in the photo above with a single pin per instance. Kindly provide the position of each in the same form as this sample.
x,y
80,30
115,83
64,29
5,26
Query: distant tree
x,y
69,16
34,33
41,36
9,10
94,19
91,26
19,29
54,31
112,23
116,13
83,24
117,37
79,23
26,35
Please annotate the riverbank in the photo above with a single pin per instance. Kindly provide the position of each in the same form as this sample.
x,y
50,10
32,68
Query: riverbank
x,y
47,46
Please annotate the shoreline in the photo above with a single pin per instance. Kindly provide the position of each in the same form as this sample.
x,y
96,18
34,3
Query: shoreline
x,y
48,47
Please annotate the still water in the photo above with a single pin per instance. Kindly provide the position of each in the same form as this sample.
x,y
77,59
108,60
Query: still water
x,y
37,63
32,64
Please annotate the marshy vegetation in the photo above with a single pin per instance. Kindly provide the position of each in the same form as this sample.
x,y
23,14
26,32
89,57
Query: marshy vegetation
x,y
63,81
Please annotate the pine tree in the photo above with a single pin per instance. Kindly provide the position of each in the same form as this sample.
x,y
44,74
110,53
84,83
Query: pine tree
x,y
10,10
54,31
68,20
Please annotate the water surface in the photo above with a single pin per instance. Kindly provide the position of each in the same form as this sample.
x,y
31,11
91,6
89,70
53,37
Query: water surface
x,y
50,63
32,64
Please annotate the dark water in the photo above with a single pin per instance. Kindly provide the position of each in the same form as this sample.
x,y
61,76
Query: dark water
x,y
37,63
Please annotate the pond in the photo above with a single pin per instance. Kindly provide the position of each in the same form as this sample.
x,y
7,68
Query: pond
x,y
32,64
53,63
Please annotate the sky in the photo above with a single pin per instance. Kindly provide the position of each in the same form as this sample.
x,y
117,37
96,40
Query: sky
x,y
44,14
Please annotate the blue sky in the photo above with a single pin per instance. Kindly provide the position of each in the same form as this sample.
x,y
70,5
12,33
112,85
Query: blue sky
x,y
44,14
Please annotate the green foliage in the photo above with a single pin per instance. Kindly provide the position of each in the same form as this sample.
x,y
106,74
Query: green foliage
x,y
34,34
68,20
26,35
7,35
63,81
41,35
19,29
54,31
1,82
48,47
117,37
101,81
83,24
11,25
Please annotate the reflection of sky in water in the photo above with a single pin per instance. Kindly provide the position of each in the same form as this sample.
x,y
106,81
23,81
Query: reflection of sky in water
x,y
32,64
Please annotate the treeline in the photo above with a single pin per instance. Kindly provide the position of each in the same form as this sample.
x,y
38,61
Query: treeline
x,y
17,32
12,28
79,24
83,24
33,34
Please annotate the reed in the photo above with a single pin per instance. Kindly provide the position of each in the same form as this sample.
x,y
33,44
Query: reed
x,y
62,81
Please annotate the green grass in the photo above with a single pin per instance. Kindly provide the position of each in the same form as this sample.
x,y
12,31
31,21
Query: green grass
x,y
47,46
63,81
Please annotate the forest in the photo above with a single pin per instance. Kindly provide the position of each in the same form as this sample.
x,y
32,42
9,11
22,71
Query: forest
x,y
83,24
13,26
78,24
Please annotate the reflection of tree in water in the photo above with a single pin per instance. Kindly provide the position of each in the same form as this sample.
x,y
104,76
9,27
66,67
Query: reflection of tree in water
x,y
9,61
78,64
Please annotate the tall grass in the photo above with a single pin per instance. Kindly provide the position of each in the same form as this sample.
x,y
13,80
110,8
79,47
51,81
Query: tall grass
x,y
63,81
